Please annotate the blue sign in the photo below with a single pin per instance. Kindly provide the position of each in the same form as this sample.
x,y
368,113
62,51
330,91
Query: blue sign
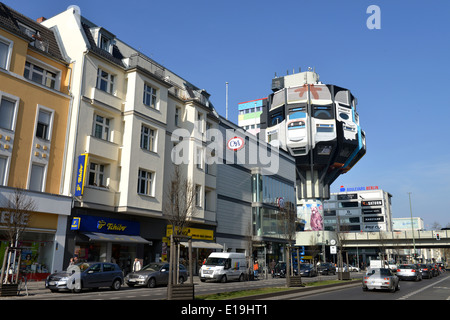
x,y
75,225
106,225
81,174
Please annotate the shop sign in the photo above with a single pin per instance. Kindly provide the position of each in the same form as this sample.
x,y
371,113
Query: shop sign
x,y
105,225
235,144
81,174
198,234
343,189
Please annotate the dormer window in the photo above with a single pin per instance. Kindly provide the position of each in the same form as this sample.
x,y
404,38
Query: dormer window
x,y
104,43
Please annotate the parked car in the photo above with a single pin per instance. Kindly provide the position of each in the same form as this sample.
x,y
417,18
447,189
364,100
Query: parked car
x,y
409,271
86,275
154,274
380,278
280,270
326,268
426,269
307,270
353,269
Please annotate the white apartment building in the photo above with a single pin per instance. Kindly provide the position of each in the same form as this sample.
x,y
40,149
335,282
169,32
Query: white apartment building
x,y
125,110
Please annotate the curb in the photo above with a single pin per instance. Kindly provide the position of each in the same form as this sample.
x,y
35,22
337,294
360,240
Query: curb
x,y
305,290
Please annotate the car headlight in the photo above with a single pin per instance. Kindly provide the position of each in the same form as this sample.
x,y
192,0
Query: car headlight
x,y
143,277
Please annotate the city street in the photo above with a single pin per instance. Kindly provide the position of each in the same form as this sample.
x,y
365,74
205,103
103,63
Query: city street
x,y
437,288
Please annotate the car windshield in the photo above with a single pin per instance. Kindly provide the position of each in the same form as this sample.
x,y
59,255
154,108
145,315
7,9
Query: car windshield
x,y
305,266
79,267
380,271
215,261
152,267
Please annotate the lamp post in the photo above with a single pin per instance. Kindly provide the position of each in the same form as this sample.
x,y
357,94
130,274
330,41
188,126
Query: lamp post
x,y
412,228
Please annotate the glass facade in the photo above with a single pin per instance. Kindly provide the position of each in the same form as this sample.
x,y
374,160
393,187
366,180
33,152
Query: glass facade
x,y
272,198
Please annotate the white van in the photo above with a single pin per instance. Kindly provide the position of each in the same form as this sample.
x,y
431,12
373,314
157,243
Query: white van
x,y
224,266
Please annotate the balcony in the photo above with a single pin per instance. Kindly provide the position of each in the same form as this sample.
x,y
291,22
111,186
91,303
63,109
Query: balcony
x,y
102,148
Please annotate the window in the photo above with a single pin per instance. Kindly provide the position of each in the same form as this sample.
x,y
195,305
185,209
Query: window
x,y
3,163
101,127
39,75
97,175
105,81
177,116
198,195
7,111
200,122
5,50
43,125
145,182
104,43
37,177
199,158
149,96
148,137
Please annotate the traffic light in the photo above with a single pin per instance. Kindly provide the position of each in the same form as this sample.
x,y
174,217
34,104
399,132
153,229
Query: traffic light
x,y
438,237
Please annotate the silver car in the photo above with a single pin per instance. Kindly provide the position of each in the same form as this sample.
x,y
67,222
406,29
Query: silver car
x,y
380,278
86,275
409,271
154,274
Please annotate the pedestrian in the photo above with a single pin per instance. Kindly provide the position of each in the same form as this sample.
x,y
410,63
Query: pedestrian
x,y
255,269
272,267
136,265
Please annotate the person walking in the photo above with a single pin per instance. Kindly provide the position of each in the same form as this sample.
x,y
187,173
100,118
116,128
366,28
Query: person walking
x,y
136,265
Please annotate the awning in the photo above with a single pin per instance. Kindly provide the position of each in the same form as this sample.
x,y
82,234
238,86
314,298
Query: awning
x,y
97,236
202,245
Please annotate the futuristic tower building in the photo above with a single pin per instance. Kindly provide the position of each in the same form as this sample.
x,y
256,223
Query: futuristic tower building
x,y
317,124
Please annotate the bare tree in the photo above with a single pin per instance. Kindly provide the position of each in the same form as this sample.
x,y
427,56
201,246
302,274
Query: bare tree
x,y
288,222
178,210
16,214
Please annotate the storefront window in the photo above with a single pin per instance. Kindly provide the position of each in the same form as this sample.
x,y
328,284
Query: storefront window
x,y
37,254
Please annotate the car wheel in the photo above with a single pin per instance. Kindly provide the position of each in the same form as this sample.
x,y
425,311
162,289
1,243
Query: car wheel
x,y
151,283
241,277
181,280
116,285
223,279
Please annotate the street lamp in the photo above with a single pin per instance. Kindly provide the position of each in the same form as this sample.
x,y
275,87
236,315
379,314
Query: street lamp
x,y
412,228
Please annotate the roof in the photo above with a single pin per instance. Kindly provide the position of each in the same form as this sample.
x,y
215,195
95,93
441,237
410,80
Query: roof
x,y
45,40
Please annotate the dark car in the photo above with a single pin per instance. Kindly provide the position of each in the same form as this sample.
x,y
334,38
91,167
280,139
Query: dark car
x,y
426,269
86,275
280,270
307,270
154,274
326,268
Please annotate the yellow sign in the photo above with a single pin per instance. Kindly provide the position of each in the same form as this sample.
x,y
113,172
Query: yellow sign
x,y
198,234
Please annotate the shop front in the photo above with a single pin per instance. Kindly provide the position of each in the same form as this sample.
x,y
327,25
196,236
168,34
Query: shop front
x,y
107,239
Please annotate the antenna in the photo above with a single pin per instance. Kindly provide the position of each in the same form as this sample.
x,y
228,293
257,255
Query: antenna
x,y
226,101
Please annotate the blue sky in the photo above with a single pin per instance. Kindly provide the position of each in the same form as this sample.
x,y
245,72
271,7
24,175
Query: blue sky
x,y
399,73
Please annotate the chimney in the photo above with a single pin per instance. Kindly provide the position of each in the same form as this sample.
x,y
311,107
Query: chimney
x,y
41,19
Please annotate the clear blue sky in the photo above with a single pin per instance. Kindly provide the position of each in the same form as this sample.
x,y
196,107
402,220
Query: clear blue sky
x,y
399,73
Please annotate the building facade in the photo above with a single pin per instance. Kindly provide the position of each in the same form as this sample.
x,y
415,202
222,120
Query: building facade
x,y
249,115
255,191
361,209
130,114
34,110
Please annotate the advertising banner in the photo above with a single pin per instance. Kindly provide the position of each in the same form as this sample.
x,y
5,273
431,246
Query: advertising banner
x,y
81,174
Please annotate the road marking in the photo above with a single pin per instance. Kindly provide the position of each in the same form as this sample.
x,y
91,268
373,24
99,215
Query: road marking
x,y
420,290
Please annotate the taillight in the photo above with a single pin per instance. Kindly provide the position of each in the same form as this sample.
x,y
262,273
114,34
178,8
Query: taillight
x,y
398,270
425,269
413,270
